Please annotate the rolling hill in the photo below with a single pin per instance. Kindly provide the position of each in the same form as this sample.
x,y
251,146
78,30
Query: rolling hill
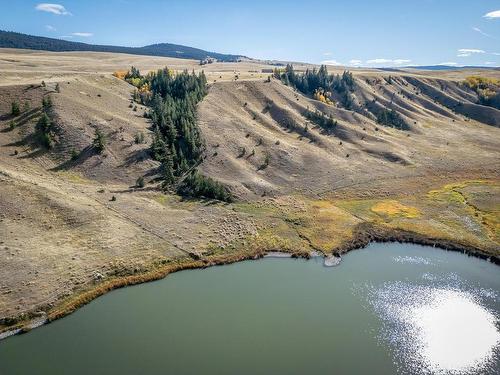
x,y
10,39
74,222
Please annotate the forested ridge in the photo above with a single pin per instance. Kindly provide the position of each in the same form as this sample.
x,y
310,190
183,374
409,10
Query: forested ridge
x,y
334,89
320,84
9,39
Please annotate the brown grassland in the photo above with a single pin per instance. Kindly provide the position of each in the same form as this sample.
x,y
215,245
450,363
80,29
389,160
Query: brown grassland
x,y
73,228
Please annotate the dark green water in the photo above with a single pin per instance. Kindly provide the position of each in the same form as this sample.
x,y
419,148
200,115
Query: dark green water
x,y
375,313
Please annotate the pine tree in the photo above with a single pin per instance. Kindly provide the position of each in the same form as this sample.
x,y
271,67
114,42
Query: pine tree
x,y
44,130
46,103
15,111
99,141
167,168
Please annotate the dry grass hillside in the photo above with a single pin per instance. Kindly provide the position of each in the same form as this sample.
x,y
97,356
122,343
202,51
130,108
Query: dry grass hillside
x,y
74,225
267,119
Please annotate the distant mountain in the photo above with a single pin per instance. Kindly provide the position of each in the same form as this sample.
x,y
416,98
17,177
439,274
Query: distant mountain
x,y
10,39
448,67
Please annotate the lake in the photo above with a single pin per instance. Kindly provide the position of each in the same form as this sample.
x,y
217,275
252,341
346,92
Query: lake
x,y
386,309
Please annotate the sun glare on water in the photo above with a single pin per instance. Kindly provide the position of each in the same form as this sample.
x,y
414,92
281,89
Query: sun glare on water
x,y
443,329
455,334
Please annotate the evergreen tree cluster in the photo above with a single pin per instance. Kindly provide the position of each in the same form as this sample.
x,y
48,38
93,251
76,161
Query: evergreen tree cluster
x,y
392,119
133,73
177,141
319,118
197,185
317,80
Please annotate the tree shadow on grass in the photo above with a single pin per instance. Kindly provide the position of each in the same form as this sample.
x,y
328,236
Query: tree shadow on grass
x,y
85,154
136,157
22,119
35,153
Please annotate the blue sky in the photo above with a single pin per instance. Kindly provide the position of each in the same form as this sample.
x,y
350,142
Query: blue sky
x,y
349,32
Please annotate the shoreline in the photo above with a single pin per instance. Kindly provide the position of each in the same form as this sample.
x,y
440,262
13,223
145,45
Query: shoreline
x,y
364,235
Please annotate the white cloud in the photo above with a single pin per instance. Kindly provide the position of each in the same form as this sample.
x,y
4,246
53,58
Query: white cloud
x,y
331,62
53,8
489,63
85,35
327,54
450,63
466,52
66,36
388,61
355,62
378,61
496,53
470,50
491,15
50,28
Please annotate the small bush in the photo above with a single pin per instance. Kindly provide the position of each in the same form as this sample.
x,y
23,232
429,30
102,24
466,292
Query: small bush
x,y
139,138
12,124
74,154
266,162
140,182
15,111
26,106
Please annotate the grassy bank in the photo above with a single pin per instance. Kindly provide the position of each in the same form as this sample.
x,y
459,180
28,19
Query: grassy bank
x,y
460,216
